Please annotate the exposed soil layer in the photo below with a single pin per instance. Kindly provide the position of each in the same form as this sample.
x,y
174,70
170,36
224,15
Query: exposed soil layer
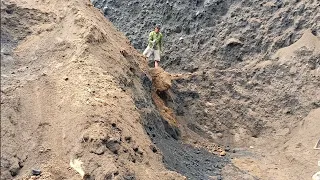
x,y
76,102
67,102
230,44
256,71
194,163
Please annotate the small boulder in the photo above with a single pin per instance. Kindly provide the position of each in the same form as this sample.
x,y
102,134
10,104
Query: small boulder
x,y
36,172
99,150
135,148
219,135
113,144
233,42
161,80
227,149
15,168
153,148
128,139
223,153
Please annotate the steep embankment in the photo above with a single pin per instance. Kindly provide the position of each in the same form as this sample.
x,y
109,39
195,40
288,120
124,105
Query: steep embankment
x,y
74,92
230,45
76,101
256,66
68,96
240,88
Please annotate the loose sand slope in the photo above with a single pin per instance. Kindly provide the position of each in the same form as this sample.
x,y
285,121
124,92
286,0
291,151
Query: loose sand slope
x,y
75,100
65,95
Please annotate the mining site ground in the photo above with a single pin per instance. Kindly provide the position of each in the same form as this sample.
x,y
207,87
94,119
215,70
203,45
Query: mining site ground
x,y
237,96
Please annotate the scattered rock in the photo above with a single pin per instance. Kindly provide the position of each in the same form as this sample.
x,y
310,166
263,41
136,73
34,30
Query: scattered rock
x,y
219,135
153,148
99,150
135,148
223,153
113,144
14,169
85,137
124,53
36,172
233,42
127,139
227,149
177,29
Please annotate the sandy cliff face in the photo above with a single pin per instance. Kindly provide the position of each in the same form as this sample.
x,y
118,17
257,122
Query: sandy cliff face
x,y
77,100
256,71
68,85
241,88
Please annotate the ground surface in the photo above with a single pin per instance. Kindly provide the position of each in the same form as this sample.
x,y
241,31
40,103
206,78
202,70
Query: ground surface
x,y
77,99
256,67
67,84
76,102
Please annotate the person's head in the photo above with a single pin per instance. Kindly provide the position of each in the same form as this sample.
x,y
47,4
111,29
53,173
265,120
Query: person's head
x,y
157,28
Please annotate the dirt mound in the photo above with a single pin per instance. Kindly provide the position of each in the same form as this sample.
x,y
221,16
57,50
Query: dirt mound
x,y
161,80
67,96
309,43
288,153
76,101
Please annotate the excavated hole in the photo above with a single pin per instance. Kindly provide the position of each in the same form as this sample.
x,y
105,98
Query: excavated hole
x,y
194,163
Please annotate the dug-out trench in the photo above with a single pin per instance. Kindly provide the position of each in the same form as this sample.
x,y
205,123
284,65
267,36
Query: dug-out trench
x,y
194,163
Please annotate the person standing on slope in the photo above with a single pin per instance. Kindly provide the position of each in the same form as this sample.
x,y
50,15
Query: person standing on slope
x,y
154,45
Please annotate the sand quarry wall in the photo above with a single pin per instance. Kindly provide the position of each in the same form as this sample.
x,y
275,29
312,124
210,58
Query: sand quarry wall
x,y
68,80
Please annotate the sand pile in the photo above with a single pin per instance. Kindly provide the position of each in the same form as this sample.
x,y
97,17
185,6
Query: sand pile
x,y
67,104
161,79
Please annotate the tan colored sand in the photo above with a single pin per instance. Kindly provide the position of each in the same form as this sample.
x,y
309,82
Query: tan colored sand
x,y
66,98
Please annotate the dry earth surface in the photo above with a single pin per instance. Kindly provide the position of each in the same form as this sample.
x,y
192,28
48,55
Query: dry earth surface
x,y
77,100
256,65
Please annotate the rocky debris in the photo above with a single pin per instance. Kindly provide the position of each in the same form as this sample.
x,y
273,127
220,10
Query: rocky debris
x,y
14,169
227,149
36,172
76,164
99,150
161,80
135,148
233,42
128,139
223,153
153,148
113,144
